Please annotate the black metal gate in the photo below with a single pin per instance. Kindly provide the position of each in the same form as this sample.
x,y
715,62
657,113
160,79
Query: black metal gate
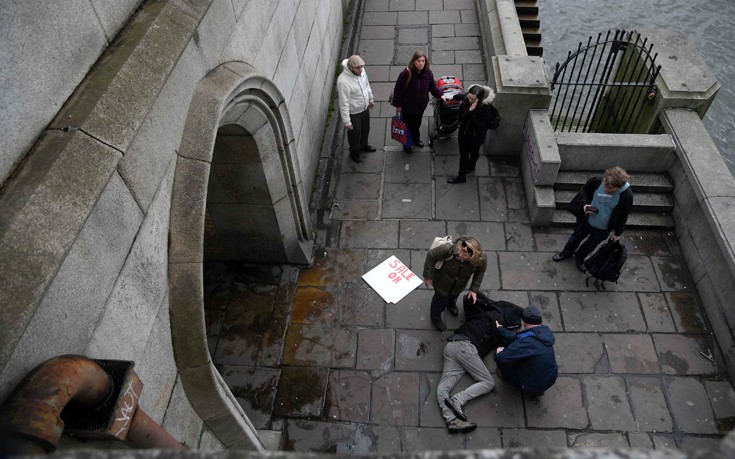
x,y
604,86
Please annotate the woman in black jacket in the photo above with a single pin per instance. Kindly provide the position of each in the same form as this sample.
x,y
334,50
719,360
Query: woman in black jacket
x,y
475,113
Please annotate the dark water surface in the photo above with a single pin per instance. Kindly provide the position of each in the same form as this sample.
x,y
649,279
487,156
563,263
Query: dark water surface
x,y
708,24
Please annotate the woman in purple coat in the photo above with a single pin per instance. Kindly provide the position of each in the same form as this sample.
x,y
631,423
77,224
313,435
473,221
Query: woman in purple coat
x,y
411,94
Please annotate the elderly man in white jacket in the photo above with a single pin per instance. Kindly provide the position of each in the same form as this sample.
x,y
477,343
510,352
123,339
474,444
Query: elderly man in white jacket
x,y
355,100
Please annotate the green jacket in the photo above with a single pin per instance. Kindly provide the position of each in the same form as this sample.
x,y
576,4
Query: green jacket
x,y
454,275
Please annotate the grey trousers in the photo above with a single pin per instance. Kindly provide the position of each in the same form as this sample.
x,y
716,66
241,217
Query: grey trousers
x,y
461,357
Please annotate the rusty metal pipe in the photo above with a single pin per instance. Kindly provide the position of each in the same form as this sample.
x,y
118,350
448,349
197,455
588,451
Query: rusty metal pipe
x,y
145,433
30,419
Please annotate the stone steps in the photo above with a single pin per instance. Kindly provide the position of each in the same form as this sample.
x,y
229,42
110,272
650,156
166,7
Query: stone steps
x,y
653,202
527,11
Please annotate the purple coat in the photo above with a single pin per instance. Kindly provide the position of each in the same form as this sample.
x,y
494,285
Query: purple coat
x,y
414,99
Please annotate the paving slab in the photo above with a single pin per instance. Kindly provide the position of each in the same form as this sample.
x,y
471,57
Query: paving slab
x,y
379,18
601,312
254,389
687,313
444,17
302,435
722,395
561,407
356,210
375,349
493,205
320,346
420,234
578,352
361,306
371,32
335,266
395,399
608,404
490,235
540,439
418,35
503,407
409,201
359,186
348,396
419,350
431,439
457,201
313,305
657,312
649,405
631,353
369,234
412,18
406,168
301,392
690,405
518,237
640,440
673,274
548,304
483,438
412,312
387,439
598,440
681,355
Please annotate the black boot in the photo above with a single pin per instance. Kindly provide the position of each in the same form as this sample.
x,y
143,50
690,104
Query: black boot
x,y
460,178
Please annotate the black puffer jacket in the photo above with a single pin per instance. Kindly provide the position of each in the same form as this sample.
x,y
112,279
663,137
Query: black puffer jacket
x,y
480,328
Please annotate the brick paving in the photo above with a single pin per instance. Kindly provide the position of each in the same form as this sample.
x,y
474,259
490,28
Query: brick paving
x,y
317,356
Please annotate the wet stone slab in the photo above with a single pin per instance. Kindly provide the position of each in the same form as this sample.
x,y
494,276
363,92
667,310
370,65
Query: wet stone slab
x,y
518,237
314,305
723,402
348,396
394,399
631,353
548,304
649,405
690,405
412,312
301,392
431,439
578,352
673,274
334,267
600,312
608,404
320,345
375,349
237,349
419,350
687,313
254,390
682,355
326,437
657,313
561,407
361,306
358,186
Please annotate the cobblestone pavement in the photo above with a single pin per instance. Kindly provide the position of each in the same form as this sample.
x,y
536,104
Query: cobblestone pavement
x,y
319,362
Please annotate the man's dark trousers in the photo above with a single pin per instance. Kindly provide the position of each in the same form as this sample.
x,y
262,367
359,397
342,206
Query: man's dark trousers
x,y
581,230
358,136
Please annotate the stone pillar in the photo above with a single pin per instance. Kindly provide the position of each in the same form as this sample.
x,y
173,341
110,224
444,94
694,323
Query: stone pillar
x,y
540,162
521,85
685,80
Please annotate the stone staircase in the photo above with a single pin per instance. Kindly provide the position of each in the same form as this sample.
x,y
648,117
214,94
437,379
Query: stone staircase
x,y
527,11
652,199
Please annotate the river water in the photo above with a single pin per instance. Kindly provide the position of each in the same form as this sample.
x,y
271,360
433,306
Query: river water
x,y
708,24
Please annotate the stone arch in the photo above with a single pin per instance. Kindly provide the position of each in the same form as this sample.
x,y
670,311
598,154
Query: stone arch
x,y
232,98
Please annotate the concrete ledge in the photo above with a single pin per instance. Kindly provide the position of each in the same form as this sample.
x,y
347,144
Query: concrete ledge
x,y
638,152
43,210
539,150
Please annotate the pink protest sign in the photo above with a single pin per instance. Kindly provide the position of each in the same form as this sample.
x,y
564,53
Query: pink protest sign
x,y
392,279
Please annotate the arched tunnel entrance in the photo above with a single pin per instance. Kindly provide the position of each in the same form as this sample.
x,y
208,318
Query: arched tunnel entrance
x,y
238,197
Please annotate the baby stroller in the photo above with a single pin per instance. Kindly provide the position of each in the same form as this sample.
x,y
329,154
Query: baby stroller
x,y
446,116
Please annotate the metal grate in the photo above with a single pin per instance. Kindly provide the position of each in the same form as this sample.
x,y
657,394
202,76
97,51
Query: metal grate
x,y
604,86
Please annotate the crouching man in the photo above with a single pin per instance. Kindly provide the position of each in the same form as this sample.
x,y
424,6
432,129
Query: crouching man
x,y
472,341
528,361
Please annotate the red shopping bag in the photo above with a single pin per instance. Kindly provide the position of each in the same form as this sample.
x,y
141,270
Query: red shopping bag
x,y
399,131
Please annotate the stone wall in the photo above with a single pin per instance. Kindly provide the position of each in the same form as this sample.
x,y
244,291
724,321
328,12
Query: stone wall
x,y
85,228
704,211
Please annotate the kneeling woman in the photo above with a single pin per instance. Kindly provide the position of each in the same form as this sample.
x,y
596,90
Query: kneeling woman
x,y
475,114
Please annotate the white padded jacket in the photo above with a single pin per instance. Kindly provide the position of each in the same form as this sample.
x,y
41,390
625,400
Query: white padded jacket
x,y
354,93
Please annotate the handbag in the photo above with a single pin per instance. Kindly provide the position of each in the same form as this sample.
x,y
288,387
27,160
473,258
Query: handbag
x,y
494,121
399,131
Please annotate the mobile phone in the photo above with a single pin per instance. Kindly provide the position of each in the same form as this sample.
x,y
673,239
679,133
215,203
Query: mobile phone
x,y
593,209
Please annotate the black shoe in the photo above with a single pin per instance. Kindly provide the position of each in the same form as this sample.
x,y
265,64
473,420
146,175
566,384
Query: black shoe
x,y
559,256
459,426
457,179
453,310
355,158
408,149
456,408
418,143
439,325
580,265
368,149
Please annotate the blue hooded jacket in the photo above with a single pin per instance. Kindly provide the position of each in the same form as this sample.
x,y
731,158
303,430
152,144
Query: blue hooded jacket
x,y
528,362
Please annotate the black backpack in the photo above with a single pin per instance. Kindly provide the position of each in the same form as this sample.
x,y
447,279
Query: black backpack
x,y
495,118
606,263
